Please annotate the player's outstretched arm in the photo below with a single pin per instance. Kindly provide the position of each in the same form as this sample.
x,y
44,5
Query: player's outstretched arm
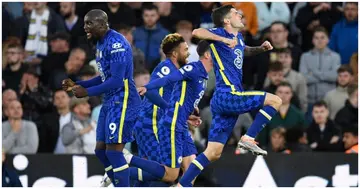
x,y
205,34
251,51
160,82
89,83
156,99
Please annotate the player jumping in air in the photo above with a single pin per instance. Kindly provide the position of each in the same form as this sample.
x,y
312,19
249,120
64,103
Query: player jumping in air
x,y
121,101
230,99
146,127
190,83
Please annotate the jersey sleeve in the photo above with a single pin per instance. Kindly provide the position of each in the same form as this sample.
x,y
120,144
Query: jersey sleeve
x,y
118,58
154,96
217,31
160,82
189,72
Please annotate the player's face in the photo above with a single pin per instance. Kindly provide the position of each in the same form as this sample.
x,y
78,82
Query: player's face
x,y
183,53
276,77
66,9
344,78
150,17
14,110
61,100
277,141
284,93
351,11
235,18
278,34
320,40
320,114
92,28
285,59
349,140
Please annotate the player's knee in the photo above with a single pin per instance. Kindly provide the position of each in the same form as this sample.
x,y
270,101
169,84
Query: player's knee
x,y
213,154
170,176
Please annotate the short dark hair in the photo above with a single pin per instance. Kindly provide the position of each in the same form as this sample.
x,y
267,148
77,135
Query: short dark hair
x,y
275,66
345,68
286,27
352,88
60,35
87,70
202,47
170,42
284,50
353,129
285,84
320,103
122,27
321,29
149,6
219,14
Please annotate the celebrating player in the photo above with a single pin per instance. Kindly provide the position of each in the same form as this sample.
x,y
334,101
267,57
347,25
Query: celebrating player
x,y
190,83
121,101
229,98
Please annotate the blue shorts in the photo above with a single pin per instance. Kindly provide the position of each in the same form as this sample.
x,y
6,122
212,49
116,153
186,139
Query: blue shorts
x,y
226,108
112,127
146,141
174,145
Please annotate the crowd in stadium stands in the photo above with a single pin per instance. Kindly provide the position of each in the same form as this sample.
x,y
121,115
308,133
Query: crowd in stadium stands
x,y
312,68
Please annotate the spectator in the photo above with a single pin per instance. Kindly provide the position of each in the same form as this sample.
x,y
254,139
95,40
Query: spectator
x,y
7,96
199,14
354,66
313,15
9,176
185,28
277,141
348,115
9,41
279,35
335,99
149,36
88,72
53,122
119,13
249,11
296,79
79,135
269,12
288,116
72,67
319,67
35,35
170,14
350,140
18,135
344,36
323,135
15,68
141,77
276,76
296,139
73,24
35,97
138,55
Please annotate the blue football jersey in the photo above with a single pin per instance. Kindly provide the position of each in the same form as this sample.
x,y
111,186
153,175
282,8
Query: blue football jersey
x,y
151,113
185,96
228,62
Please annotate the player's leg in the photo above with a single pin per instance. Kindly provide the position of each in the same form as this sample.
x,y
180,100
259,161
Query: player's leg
x,y
271,105
100,149
189,153
221,128
119,130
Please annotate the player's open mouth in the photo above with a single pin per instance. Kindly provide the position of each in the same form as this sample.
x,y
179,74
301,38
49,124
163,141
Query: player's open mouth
x,y
88,35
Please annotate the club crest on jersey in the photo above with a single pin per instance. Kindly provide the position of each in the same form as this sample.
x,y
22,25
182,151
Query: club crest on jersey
x,y
239,59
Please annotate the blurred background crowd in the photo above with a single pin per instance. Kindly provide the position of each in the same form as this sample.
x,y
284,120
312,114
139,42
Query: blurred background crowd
x,y
313,68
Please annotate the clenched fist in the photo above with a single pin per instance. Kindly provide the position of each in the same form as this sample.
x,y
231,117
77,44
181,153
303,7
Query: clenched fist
x,y
141,90
267,46
67,84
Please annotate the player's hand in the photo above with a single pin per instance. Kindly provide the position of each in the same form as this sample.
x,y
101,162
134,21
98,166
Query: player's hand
x,y
79,91
230,42
267,46
141,90
194,121
67,84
